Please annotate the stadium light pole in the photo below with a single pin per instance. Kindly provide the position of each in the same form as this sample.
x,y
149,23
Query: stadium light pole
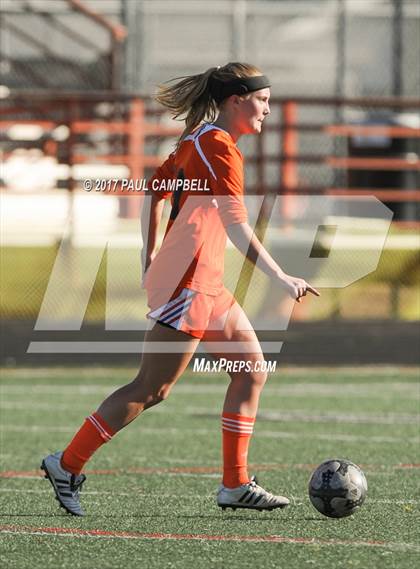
x,y
132,17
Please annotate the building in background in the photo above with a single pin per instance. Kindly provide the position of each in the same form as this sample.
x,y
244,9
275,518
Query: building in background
x,y
316,47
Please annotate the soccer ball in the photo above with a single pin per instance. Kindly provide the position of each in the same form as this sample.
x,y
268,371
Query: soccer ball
x,y
337,488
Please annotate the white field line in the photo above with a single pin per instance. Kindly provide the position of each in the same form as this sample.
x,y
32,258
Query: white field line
x,y
296,500
335,437
95,534
303,416
293,415
28,406
376,390
206,432
100,372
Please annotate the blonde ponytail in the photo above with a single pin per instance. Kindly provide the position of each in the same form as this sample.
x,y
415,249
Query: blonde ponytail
x,y
190,98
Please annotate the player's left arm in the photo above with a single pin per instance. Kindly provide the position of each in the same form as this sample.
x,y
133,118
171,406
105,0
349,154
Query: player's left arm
x,y
228,167
245,240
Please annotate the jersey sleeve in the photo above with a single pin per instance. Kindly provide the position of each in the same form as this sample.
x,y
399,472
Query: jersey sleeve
x,y
166,171
227,182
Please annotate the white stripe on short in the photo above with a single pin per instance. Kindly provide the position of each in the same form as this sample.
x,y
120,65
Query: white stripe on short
x,y
172,312
166,308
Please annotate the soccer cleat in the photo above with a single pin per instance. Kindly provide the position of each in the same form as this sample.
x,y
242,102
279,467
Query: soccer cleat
x,y
66,485
250,496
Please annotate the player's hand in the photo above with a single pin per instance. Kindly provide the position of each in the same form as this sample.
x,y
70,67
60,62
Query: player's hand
x,y
297,288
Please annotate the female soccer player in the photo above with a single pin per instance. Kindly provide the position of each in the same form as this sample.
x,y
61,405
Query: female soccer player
x,y
183,280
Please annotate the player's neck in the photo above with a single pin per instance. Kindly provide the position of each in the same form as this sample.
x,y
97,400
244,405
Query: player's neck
x,y
224,123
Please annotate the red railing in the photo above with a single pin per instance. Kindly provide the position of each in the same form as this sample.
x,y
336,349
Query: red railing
x,y
130,128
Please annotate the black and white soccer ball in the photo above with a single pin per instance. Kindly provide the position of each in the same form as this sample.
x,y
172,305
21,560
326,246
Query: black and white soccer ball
x,y
337,488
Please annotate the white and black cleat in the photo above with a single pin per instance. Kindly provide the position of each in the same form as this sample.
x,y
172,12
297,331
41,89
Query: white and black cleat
x,y
249,496
66,485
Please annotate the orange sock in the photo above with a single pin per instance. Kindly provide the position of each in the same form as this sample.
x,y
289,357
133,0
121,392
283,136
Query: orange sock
x,y
92,434
237,432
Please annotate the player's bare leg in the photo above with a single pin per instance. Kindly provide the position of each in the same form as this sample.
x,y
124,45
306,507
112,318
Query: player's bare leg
x,y
245,387
239,412
151,385
154,381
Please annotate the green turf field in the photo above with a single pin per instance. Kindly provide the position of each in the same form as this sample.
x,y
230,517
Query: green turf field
x,y
150,494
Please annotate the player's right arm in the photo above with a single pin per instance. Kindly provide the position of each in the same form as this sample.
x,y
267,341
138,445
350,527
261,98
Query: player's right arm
x,y
151,214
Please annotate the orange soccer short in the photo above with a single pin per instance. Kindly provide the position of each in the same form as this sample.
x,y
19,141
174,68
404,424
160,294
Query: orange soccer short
x,y
187,310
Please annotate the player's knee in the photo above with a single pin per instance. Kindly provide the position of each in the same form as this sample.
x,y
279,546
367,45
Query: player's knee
x,y
162,394
253,379
259,378
150,396
258,372
155,397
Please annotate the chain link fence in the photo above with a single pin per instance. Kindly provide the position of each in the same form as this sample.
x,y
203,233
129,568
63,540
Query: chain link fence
x,y
327,48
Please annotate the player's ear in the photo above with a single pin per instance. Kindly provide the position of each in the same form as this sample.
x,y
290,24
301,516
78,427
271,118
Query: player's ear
x,y
236,100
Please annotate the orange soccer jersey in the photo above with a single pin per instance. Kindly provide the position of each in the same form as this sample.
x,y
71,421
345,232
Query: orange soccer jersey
x,y
192,252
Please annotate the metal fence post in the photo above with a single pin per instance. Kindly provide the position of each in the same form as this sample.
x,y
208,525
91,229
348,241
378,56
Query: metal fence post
x,y
136,152
239,13
397,47
289,169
